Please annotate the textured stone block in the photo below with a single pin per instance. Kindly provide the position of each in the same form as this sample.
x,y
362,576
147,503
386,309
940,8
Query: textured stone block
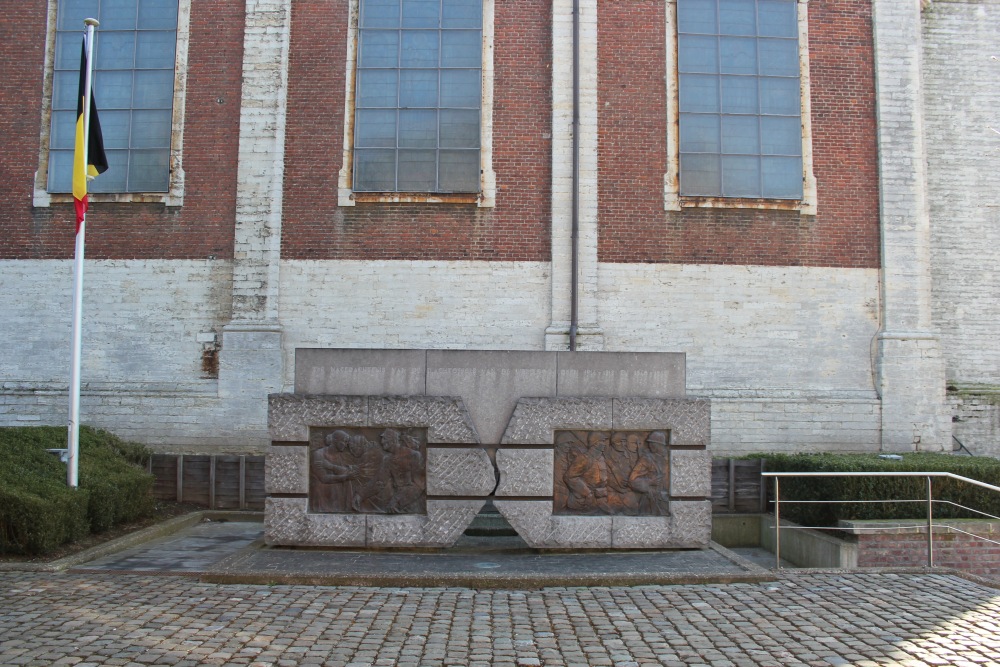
x,y
532,519
525,472
582,532
285,520
289,416
286,469
335,530
691,523
689,421
652,374
690,473
465,471
642,532
535,419
443,524
490,382
360,372
445,417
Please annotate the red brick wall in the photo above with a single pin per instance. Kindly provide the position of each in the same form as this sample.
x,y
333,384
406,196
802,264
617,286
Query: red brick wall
x,y
632,161
518,229
203,226
955,550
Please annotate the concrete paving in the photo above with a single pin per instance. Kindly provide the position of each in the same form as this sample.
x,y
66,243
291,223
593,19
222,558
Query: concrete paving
x,y
147,606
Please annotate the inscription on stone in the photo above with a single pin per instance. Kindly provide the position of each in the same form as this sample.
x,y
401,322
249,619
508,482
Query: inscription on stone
x,y
368,470
618,473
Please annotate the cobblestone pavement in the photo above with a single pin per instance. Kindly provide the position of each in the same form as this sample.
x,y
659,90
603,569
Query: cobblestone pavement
x,y
804,618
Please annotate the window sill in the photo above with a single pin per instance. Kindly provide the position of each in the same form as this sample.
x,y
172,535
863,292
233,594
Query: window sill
x,y
800,205
350,198
46,199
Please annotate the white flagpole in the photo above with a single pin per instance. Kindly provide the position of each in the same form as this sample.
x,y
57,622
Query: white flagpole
x,y
73,448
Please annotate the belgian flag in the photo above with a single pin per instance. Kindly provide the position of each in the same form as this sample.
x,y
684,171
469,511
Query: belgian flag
x,y
89,158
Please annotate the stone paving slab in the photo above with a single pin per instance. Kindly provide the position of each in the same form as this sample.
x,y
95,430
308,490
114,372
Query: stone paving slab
x,y
805,618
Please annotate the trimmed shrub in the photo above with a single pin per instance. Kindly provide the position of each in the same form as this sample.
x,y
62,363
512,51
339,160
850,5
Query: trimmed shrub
x,y
867,490
38,512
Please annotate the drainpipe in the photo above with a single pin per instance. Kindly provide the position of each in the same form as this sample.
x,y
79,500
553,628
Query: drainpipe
x,y
575,238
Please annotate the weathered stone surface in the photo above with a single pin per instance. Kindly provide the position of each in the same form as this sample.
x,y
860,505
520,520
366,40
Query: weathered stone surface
x,y
286,469
525,472
689,421
445,417
691,525
690,473
285,520
340,530
360,372
490,382
289,416
535,419
465,471
581,532
532,519
395,531
653,374
444,523
641,532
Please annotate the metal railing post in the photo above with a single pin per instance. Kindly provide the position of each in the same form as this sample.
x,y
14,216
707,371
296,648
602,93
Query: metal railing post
x,y
777,524
930,524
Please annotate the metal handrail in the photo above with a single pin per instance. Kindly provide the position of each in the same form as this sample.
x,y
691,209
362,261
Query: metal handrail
x,y
930,499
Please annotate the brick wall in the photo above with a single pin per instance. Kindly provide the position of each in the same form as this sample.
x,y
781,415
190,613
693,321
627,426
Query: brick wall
x,y
634,227
517,229
203,227
908,547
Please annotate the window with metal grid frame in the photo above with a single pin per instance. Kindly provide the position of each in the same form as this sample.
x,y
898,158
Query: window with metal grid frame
x,y
739,99
134,54
418,96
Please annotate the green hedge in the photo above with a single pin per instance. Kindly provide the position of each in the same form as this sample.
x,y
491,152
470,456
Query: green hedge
x,y
843,489
38,512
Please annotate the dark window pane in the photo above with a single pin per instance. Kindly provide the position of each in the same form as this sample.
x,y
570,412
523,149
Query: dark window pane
x,y
782,177
780,96
737,17
739,94
459,128
699,93
118,14
155,50
778,18
65,86
115,127
113,89
461,48
158,14
379,48
114,50
460,88
149,170
375,128
377,88
740,134
738,55
459,171
697,16
699,134
154,89
418,128
72,12
374,170
418,88
779,57
700,175
60,171
780,136
421,13
698,54
740,176
417,171
151,129
63,129
380,14
420,48
461,14
115,179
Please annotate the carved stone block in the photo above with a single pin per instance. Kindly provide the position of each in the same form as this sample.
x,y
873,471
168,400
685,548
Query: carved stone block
x,y
532,519
341,530
536,419
289,416
367,470
525,472
465,471
689,421
444,417
285,520
444,523
691,523
642,532
582,532
690,473
286,469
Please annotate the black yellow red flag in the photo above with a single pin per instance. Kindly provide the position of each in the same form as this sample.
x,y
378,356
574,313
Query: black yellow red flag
x,y
89,158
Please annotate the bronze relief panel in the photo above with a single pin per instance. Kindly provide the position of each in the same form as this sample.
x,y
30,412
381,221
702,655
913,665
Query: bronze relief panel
x,y
618,473
368,470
